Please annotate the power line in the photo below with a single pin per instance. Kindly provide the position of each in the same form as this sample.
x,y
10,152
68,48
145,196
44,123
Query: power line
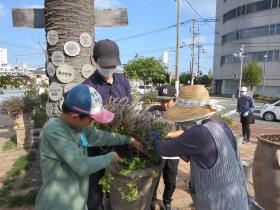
x,y
19,46
150,32
161,29
192,7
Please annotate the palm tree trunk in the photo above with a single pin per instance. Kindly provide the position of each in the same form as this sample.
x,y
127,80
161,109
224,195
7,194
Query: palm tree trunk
x,y
70,18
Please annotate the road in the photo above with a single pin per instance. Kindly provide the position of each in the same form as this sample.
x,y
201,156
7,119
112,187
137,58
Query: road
x,y
230,111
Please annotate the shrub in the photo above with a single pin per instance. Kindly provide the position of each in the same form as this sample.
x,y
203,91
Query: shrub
x,y
228,120
15,106
149,97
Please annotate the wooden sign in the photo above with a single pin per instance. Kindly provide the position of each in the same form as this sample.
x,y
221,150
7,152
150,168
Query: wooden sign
x,y
50,69
72,48
52,37
88,70
58,58
111,17
85,40
55,91
69,86
65,73
30,18
34,18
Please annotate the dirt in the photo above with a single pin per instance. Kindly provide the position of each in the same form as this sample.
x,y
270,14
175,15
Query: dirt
x,y
272,138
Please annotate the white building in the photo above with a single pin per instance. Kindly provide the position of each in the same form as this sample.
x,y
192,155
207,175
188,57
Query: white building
x,y
3,56
256,24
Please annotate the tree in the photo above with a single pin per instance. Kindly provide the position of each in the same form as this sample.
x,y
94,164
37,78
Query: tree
x,y
7,80
146,68
205,80
184,78
252,74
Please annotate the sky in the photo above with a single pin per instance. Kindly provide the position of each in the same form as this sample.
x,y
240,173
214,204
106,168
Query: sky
x,y
25,45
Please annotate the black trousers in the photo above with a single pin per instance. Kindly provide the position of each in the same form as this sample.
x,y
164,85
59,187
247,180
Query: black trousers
x,y
169,172
95,194
246,121
246,130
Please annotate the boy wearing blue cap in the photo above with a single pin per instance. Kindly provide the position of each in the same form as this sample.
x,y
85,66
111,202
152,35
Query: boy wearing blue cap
x,y
65,164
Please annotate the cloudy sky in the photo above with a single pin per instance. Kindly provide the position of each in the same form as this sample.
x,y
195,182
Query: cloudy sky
x,y
26,45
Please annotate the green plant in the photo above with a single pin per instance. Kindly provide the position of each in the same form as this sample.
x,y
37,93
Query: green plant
x,y
106,182
22,164
9,145
40,117
138,124
129,192
15,106
150,97
146,68
128,166
134,123
252,74
228,120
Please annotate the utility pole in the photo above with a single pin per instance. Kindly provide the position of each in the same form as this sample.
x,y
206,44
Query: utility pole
x,y
193,22
199,46
264,68
241,55
177,47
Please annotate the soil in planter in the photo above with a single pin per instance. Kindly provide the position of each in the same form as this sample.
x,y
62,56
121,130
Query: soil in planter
x,y
272,138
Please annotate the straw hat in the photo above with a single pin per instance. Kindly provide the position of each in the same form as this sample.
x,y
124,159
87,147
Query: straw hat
x,y
193,103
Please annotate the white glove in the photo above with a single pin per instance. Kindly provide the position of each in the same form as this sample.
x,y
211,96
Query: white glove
x,y
245,114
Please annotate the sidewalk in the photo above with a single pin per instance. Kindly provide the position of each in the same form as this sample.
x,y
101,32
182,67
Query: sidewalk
x,y
182,199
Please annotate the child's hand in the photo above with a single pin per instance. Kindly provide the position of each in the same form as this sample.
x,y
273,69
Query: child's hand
x,y
116,158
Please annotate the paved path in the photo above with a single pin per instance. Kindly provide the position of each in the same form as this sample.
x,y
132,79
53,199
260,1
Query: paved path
x,y
182,199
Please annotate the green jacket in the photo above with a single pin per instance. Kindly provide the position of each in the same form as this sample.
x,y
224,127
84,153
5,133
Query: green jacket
x,y
66,166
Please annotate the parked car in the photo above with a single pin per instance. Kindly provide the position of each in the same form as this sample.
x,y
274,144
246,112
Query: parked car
x,y
144,89
271,111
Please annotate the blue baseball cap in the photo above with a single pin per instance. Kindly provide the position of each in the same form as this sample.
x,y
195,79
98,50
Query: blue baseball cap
x,y
86,100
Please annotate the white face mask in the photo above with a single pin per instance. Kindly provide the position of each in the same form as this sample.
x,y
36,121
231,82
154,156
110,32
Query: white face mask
x,y
107,73
243,93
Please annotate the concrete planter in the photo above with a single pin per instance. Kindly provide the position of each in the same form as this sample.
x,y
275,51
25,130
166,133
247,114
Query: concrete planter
x,y
266,172
145,182
28,137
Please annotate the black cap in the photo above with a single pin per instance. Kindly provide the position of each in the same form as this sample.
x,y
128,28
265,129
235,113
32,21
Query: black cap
x,y
107,53
167,92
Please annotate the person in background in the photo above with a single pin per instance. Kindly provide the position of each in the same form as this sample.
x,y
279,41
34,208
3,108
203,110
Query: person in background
x,y
217,179
167,96
65,164
111,86
245,107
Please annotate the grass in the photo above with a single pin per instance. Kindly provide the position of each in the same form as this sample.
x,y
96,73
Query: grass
x,y
17,190
9,145
21,164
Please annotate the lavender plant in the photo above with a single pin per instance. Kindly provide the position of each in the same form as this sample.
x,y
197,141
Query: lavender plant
x,y
139,124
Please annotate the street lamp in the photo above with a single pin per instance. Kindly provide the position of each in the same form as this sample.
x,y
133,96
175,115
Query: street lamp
x,y
240,55
264,66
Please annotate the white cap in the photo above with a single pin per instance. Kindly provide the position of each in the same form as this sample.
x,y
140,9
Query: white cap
x,y
243,89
